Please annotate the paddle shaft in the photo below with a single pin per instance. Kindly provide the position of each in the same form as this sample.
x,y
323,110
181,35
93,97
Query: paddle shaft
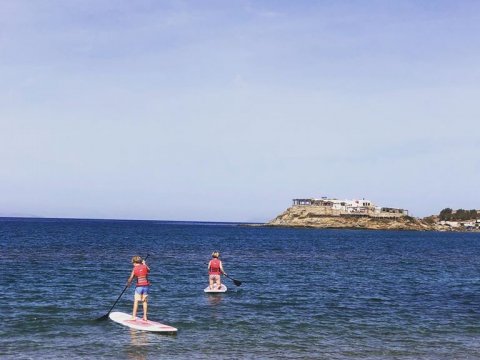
x,y
115,303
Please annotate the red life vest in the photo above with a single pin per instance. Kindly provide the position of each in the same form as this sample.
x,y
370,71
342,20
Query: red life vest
x,y
214,267
141,272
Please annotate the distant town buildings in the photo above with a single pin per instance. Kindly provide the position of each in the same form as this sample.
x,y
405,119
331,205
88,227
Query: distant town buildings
x,y
335,207
467,225
459,219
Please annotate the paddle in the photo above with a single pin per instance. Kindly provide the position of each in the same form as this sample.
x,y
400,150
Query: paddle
x,y
235,281
105,317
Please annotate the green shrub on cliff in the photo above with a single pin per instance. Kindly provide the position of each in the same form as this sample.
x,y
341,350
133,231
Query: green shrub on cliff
x,y
448,214
430,220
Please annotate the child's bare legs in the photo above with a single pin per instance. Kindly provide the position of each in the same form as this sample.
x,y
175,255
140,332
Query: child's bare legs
x,y
135,308
145,307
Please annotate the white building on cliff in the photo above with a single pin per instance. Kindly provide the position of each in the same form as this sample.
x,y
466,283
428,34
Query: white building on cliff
x,y
351,207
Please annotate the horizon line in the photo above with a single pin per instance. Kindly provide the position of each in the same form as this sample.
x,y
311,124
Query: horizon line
x,y
113,219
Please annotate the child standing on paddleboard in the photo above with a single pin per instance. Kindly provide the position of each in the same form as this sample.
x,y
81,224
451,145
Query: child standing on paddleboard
x,y
215,269
140,271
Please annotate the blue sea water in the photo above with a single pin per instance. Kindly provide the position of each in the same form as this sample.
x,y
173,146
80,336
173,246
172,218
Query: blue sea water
x,y
306,294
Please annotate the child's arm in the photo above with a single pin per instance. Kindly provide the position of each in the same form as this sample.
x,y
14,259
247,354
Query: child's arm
x,y
129,281
144,263
221,269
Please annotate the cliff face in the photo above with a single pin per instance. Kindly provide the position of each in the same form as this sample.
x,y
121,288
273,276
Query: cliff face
x,y
312,216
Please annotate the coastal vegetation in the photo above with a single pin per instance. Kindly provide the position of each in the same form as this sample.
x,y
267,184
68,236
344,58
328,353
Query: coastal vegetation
x,y
448,214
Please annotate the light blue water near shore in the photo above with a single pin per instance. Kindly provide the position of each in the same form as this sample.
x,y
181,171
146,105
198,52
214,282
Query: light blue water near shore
x,y
306,294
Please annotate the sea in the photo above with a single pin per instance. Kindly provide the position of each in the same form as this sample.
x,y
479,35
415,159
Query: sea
x,y
304,293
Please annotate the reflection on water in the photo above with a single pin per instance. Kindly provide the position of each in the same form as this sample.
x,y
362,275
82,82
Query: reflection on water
x,y
137,353
138,338
214,299
143,344
139,341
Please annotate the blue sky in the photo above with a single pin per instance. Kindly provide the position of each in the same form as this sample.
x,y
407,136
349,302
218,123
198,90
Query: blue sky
x,y
226,110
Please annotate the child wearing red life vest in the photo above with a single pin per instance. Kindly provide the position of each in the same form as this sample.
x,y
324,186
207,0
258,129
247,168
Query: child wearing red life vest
x,y
215,269
140,271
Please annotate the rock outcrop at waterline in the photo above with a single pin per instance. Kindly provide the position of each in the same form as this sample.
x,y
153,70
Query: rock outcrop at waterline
x,y
313,217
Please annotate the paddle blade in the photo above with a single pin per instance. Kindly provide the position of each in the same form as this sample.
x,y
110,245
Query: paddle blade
x,y
104,317
236,282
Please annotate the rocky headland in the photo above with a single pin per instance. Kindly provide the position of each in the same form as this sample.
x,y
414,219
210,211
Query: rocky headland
x,y
314,217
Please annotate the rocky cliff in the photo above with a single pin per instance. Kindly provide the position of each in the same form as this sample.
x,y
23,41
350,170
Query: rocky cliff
x,y
312,216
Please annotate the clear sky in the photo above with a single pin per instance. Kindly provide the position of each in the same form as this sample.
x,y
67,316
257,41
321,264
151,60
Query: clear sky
x,y
226,110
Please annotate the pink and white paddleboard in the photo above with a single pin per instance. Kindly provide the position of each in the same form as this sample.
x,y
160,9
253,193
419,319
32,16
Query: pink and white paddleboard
x,y
215,289
139,324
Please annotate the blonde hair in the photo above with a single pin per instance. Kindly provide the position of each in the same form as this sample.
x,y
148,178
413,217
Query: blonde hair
x,y
216,254
137,259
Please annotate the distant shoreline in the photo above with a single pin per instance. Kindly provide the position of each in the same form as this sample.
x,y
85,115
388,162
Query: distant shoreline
x,y
334,223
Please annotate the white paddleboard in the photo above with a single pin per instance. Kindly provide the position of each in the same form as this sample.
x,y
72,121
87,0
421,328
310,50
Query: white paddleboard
x,y
215,289
139,324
